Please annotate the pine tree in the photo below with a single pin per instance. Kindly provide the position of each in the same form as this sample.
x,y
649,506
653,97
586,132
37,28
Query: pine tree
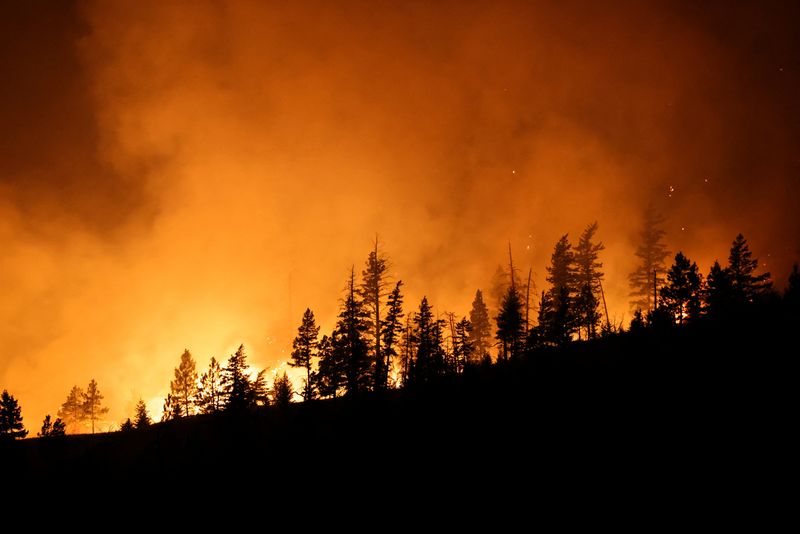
x,y
237,389
372,291
651,252
540,334
52,429
481,329
681,296
142,418
71,412
127,425
745,286
392,328
351,343
304,349
510,325
93,407
429,361
11,426
560,318
331,370
282,391
209,394
463,349
588,278
719,291
184,386
260,390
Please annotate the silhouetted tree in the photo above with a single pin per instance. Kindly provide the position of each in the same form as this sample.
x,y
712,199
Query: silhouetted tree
x,y
71,412
330,379
237,389
372,292
481,329
93,407
719,291
651,252
588,276
745,286
463,350
126,426
681,296
392,327
510,325
350,342
52,429
560,318
260,390
638,322
184,386
282,390
429,361
11,426
539,335
142,418
304,349
210,394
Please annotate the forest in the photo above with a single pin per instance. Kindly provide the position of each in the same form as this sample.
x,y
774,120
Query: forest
x,y
464,383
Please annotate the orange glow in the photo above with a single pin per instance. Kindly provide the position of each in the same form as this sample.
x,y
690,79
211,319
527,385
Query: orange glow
x,y
256,150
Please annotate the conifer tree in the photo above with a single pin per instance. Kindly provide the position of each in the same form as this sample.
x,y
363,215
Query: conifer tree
x,y
510,320
372,292
331,369
481,329
142,418
719,291
681,296
209,394
282,390
184,386
745,285
588,277
651,252
237,389
170,410
560,318
127,425
392,329
351,344
51,429
463,350
11,426
93,408
429,361
304,349
71,412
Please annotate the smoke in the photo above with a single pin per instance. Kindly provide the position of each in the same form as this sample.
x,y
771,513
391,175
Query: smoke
x,y
233,160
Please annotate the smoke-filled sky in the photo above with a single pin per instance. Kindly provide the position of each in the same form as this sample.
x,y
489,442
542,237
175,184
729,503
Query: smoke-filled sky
x,y
194,174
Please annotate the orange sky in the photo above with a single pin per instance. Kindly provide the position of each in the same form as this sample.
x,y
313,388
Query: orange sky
x,y
194,174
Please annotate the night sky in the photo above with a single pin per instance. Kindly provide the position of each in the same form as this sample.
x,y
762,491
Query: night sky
x,y
194,174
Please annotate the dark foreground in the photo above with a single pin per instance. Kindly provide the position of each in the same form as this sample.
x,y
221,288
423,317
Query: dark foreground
x,y
705,409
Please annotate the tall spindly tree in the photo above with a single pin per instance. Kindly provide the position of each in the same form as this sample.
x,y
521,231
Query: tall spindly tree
x,y
373,289
184,386
682,295
588,276
350,340
429,361
331,377
304,349
209,393
510,319
93,408
392,328
560,317
11,426
651,251
480,335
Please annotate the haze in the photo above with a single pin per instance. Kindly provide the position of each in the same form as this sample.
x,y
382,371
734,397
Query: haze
x,y
194,174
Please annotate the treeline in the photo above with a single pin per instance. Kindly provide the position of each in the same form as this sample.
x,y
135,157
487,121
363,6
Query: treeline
x,y
375,345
